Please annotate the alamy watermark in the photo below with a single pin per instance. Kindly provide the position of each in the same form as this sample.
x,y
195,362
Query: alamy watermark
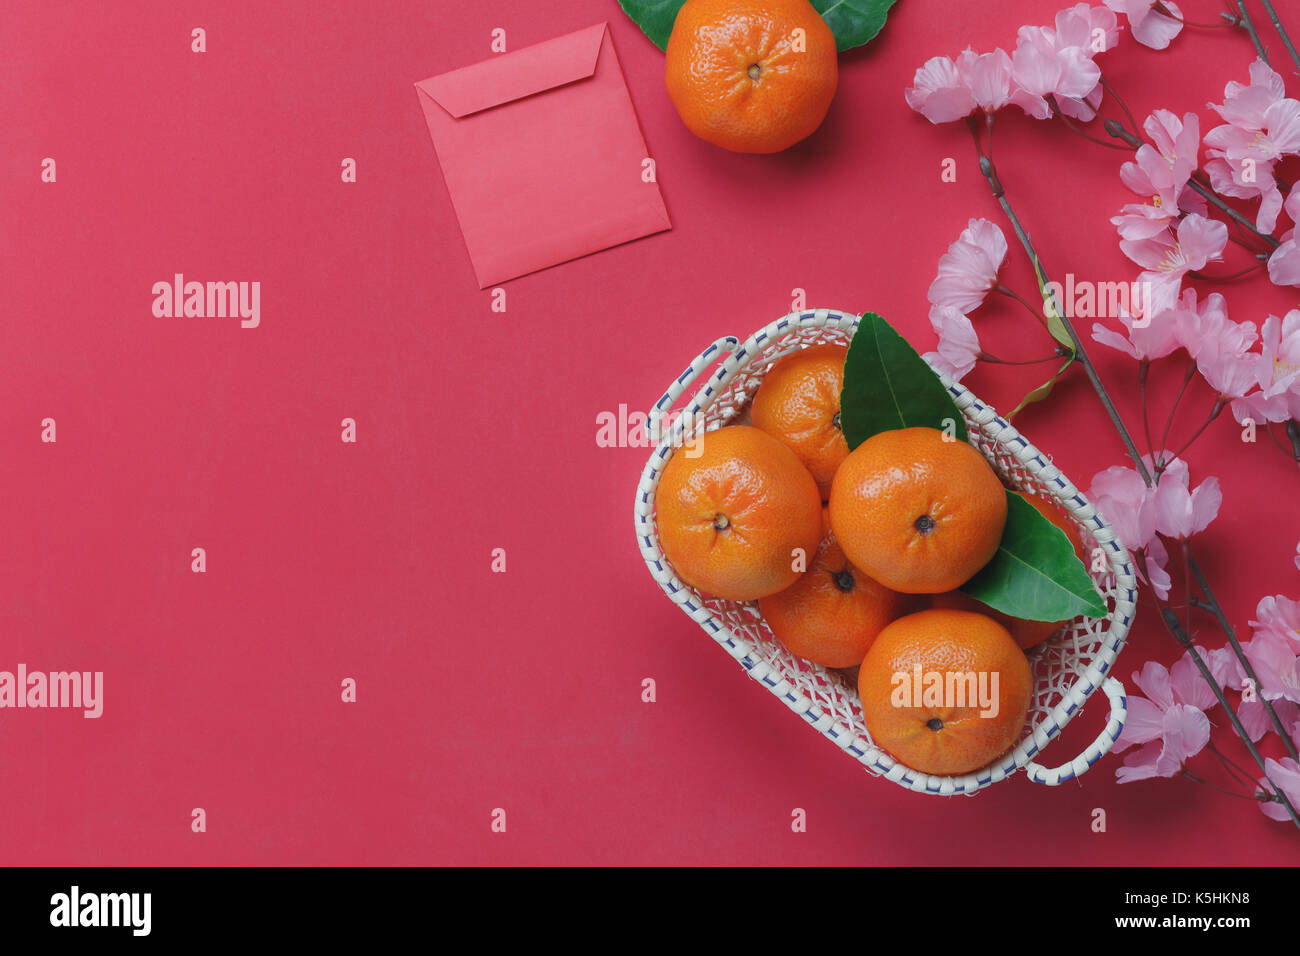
x,y
1100,300
71,689
638,429
949,689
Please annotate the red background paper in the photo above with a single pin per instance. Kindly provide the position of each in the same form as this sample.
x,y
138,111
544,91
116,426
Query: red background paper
x,y
476,430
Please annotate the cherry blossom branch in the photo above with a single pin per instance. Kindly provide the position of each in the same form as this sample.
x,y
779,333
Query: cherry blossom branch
x,y
1144,366
1244,19
1219,405
1240,651
1012,294
1074,127
1281,31
1231,276
1216,200
1169,422
1175,627
990,174
1167,615
1164,11
1122,105
1116,129
1253,797
1293,433
1234,769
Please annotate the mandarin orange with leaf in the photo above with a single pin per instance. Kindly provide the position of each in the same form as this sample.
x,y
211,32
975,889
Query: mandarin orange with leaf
x,y
751,76
917,511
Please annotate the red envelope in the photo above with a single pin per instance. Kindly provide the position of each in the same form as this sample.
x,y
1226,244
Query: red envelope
x,y
542,154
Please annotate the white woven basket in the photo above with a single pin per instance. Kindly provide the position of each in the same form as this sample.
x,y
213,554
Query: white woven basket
x,y
1067,668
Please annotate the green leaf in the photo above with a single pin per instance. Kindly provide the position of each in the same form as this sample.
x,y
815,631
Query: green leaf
x,y
654,17
854,22
1035,574
1052,311
888,385
1042,391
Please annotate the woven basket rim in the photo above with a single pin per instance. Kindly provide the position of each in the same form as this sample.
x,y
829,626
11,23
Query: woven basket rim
x,y
736,356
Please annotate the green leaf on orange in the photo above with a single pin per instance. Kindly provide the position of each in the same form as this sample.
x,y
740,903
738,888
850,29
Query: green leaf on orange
x,y
1035,574
853,22
654,17
888,385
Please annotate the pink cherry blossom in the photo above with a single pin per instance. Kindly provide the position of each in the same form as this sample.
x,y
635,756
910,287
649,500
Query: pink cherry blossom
x,y
1187,684
1043,66
1285,775
939,93
958,342
1168,721
1219,345
1206,325
1262,126
1279,616
1276,135
1178,511
1152,340
1141,221
1230,180
1257,722
1244,105
1225,666
1223,361
1161,172
1155,559
989,78
1277,373
1077,26
1149,27
1123,499
1284,263
944,90
969,269
1276,665
1231,374
1166,258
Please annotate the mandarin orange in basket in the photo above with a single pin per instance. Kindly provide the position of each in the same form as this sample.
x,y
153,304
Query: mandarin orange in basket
x,y
945,692
833,612
752,76
731,518
1026,633
917,512
799,403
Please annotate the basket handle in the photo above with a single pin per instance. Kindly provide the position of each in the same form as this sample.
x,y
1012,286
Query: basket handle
x,y
727,344
1098,748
